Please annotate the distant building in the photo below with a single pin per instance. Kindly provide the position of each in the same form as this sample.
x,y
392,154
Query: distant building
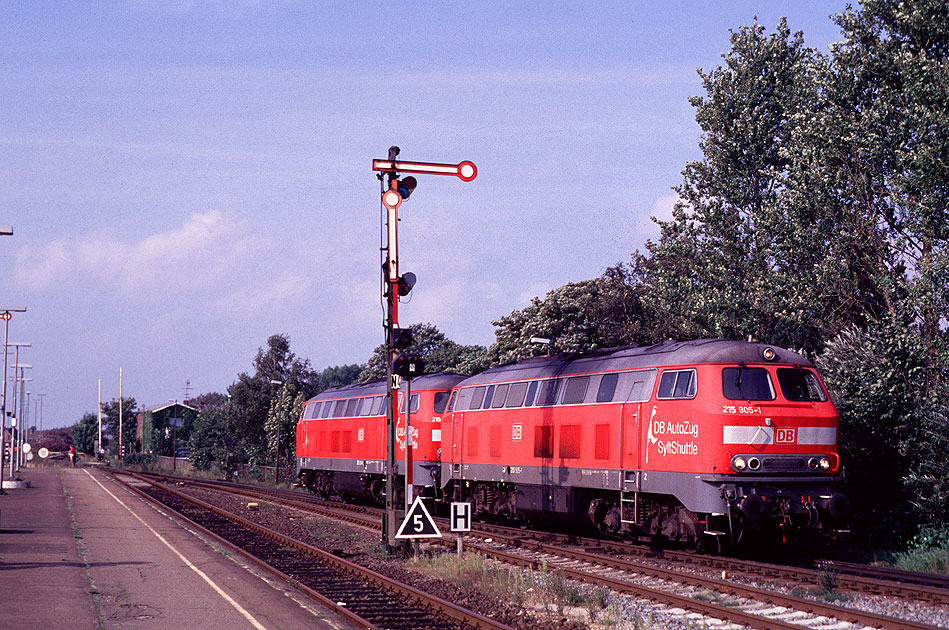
x,y
158,433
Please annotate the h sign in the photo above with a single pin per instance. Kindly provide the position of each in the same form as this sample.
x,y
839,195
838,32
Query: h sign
x,y
460,517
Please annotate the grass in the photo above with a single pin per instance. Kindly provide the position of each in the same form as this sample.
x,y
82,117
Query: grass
x,y
544,590
826,589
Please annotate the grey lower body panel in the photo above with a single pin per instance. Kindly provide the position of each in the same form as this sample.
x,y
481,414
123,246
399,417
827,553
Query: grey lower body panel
x,y
708,494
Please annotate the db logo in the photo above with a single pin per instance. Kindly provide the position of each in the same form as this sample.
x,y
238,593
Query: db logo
x,y
784,436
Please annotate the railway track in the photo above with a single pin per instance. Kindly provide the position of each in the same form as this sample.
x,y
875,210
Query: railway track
x,y
364,597
608,564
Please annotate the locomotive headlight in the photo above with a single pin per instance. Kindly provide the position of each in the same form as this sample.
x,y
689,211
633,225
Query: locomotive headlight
x,y
739,463
825,463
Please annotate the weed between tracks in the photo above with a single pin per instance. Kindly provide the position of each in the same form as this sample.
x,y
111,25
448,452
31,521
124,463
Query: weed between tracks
x,y
826,589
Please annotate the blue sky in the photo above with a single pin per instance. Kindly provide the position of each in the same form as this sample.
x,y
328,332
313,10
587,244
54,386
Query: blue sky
x,y
186,178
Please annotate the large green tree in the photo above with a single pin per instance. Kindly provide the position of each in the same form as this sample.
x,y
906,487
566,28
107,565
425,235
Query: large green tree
x,y
761,242
891,94
251,396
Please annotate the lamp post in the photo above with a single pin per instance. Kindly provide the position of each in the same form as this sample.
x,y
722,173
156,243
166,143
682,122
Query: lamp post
x,y
19,385
276,463
40,401
6,314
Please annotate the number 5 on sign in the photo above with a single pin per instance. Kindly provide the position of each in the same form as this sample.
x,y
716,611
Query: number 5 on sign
x,y
418,523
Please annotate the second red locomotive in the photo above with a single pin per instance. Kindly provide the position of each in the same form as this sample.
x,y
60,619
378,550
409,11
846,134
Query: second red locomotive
x,y
341,438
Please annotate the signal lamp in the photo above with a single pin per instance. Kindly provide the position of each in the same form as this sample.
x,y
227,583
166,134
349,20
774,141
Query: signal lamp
x,y
408,365
739,463
406,282
406,185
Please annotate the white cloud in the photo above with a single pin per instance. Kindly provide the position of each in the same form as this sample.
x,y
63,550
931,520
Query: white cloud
x,y
199,252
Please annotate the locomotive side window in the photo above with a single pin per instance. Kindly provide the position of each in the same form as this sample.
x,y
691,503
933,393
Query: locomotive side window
x,y
641,390
744,383
607,388
544,441
351,407
377,405
547,395
340,408
464,396
677,384
477,398
414,404
500,394
328,409
361,403
800,385
451,402
488,397
313,410
570,441
441,401
531,392
515,395
575,390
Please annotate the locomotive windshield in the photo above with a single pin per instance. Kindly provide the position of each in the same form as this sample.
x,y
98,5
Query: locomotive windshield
x,y
800,385
744,383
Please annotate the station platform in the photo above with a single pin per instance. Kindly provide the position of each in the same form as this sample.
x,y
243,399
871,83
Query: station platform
x,y
78,551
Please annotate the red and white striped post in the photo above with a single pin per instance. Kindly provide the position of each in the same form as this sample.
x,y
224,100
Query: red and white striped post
x,y
389,171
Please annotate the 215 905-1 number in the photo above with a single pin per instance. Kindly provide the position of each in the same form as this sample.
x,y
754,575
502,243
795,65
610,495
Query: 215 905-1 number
x,y
740,409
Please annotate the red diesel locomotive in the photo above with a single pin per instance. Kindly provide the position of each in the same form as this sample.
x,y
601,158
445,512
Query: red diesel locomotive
x,y
701,442
341,438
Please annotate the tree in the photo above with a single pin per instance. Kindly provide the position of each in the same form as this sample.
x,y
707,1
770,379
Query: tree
x,y
110,424
891,90
251,396
209,400
84,433
209,438
763,242
335,376
439,353
285,409
598,313
893,432
57,440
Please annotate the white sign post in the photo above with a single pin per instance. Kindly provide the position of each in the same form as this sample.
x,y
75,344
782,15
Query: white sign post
x,y
460,521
